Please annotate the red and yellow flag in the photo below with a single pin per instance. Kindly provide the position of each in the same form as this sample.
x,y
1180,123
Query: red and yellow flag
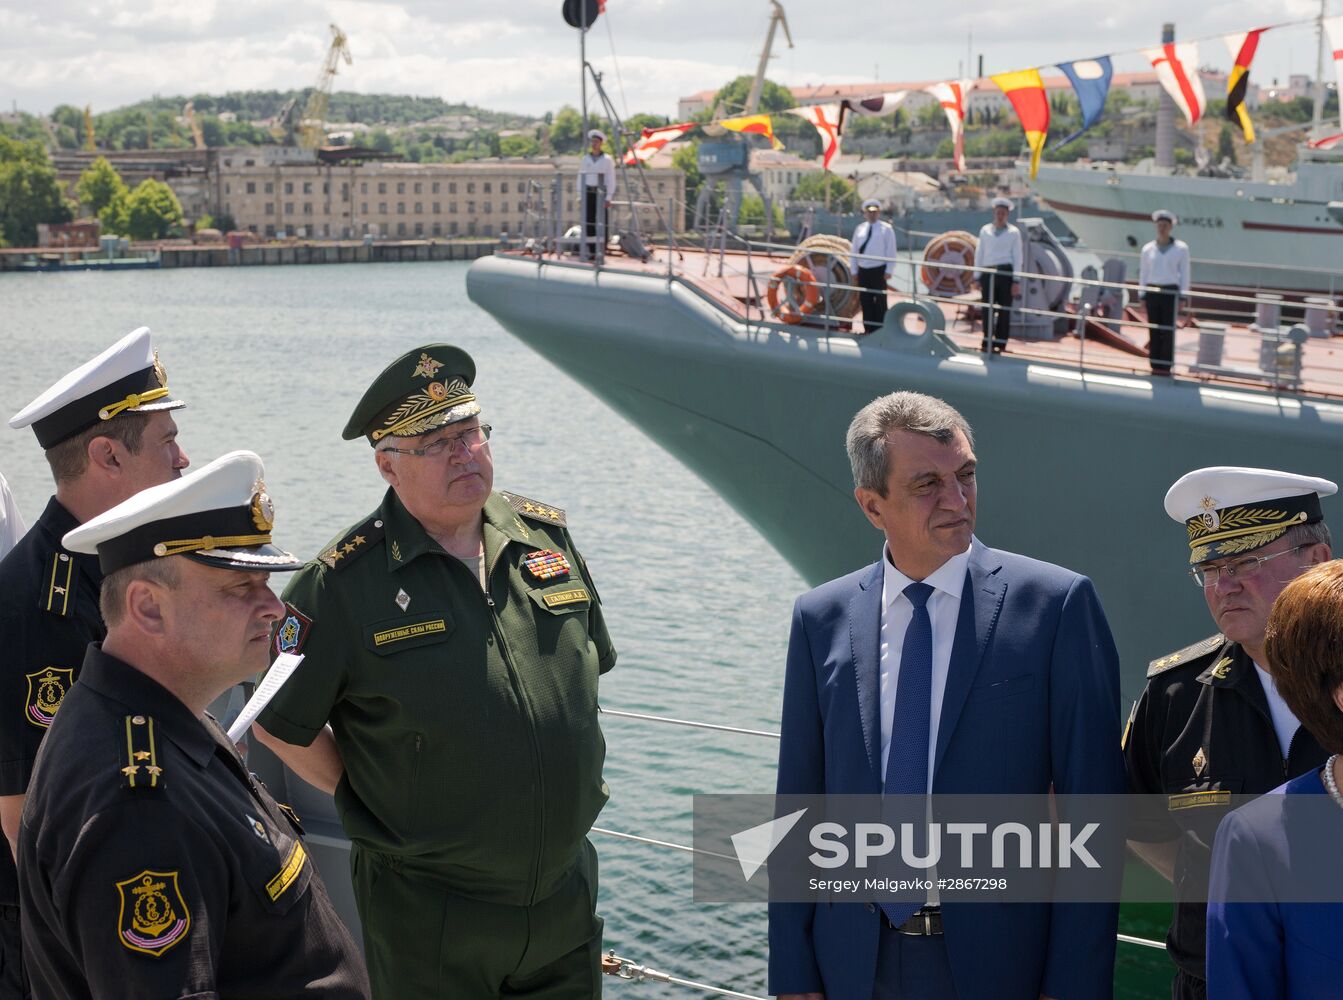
x,y
1026,91
755,125
1242,47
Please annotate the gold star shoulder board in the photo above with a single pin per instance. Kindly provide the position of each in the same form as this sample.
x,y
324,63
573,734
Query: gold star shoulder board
x,y
535,509
1203,647
140,738
57,593
353,544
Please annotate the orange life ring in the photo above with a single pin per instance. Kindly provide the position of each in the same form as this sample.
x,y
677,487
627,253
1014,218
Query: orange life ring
x,y
801,293
955,247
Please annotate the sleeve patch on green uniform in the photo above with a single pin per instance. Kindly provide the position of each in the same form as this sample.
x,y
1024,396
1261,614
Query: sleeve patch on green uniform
x,y
154,916
292,632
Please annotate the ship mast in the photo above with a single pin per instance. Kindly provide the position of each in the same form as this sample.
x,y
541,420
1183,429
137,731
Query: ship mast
x,y
1318,120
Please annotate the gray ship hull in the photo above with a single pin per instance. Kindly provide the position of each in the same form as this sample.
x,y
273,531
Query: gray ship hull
x,y
1073,465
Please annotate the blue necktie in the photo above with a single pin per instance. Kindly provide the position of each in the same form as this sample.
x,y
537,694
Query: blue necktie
x,y
907,758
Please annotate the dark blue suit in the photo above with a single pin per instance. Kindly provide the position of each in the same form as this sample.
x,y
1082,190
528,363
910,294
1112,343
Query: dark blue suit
x,y
1031,701
1263,942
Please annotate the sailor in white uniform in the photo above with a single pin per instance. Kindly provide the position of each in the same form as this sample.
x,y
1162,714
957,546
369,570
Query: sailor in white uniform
x,y
997,262
872,260
1163,278
596,182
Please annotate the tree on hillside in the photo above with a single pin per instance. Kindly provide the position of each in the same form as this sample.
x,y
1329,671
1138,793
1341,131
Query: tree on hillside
x,y
152,211
773,97
99,186
813,187
566,131
686,160
29,191
518,145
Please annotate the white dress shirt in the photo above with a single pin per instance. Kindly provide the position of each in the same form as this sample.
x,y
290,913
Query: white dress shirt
x,y
11,523
999,246
597,171
1168,265
879,250
1285,724
944,607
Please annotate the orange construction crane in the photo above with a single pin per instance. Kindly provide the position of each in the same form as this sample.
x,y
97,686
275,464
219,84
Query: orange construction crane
x,y
313,133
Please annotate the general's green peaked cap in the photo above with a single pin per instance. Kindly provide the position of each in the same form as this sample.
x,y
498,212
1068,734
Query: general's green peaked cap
x,y
423,389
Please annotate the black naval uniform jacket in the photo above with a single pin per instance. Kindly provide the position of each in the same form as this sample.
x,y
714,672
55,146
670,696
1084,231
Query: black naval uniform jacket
x,y
48,616
152,864
1199,737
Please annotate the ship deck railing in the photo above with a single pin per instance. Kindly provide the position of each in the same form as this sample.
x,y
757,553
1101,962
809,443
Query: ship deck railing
x,y
1213,345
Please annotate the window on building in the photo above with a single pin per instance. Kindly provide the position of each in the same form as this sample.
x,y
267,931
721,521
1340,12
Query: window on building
x,y
251,187
452,228
228,208
419,206
438,208
487,208
452,187
382,187
400,187
270,188
246,163
418,186
503,187
288,187
307,187
470,208
662,186
382,208
400,229
400,208
226,188
344,191
438,228
326,187
522,206
487,187
435,189
470,187
289,208
419,229
270,208
363,208
488,230
307,208
471,228
270,231
363,187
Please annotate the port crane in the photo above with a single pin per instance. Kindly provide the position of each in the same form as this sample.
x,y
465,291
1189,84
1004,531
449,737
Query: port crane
x,y
189,113
309,129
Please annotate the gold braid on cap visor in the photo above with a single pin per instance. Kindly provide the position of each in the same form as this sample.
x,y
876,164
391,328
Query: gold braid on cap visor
x,y
132,402
181,545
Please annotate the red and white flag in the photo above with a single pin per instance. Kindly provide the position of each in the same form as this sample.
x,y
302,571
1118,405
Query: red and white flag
x,y
875,105
653,139
826,118
1176,67
951,95
1333,27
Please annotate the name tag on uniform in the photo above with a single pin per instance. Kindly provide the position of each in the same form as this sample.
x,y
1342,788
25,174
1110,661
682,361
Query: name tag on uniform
x,y
560,598
1193,800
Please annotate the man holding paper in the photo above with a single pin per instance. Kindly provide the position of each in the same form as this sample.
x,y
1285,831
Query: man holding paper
x,y
151,863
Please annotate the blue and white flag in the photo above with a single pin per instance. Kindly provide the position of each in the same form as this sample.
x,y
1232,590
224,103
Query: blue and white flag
x,y
1091,82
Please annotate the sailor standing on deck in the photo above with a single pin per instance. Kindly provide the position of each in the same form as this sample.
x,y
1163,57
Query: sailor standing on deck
x,y
872,261
998,261
107,432
596,183
1210,723
1163,279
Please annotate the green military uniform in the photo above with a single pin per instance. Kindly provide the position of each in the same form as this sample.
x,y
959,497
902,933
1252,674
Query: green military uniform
x,y
466,715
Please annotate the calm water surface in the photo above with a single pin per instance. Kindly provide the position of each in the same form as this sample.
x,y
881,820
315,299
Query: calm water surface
x,y
273,360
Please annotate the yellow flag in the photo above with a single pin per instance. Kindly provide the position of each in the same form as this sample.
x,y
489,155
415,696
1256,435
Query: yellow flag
x,y
755,125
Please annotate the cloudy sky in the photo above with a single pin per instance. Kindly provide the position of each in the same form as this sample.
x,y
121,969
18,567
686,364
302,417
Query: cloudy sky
x,y
518,55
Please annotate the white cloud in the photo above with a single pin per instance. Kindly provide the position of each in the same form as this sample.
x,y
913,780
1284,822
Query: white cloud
x,y
518,54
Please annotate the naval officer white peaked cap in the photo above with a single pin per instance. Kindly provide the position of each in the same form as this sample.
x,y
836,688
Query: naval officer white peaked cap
x,y
219,515
1228,509
1002,203
127,377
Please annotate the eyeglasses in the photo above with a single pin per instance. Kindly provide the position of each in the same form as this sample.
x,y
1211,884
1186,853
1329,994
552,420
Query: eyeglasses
x,y
1207,576
471,439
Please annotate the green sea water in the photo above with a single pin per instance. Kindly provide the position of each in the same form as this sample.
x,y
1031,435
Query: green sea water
x,y
698,603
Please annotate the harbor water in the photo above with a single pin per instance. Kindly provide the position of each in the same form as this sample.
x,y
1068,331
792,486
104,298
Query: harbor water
x,y
698,604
